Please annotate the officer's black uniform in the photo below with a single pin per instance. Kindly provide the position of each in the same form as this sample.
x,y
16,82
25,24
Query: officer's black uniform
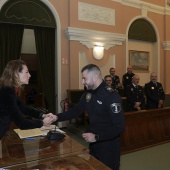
x,y
115,81
134,94
154,92
127,80
106,119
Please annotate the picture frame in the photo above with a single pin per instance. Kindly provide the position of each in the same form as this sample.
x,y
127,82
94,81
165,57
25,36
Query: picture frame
x,y
139,60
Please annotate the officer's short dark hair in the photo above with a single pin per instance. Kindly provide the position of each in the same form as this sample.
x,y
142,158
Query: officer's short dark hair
x,y
111,68
90,67
107,77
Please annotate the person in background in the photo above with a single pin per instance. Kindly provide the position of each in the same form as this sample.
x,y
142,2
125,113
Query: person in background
x,y
135,95
115,79
12,109
106,117
154,93
108,80
127,78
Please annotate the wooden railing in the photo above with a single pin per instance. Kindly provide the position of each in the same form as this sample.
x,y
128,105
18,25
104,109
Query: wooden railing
x,y
145,129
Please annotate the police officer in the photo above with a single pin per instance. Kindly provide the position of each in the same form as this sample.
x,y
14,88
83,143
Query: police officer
x,y
106,117
127,78
108,80
154,93
135,95
115,79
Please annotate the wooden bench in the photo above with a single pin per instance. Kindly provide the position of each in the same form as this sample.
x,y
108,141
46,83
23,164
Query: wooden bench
x,y
145,129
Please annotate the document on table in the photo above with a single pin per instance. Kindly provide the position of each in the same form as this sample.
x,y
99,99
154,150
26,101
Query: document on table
x,y
36,132
28,133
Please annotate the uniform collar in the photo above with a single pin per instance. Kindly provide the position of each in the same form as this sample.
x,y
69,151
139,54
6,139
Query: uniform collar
x,y
103,84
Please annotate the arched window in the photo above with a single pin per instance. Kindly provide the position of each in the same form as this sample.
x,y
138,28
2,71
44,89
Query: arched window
x,y
142,30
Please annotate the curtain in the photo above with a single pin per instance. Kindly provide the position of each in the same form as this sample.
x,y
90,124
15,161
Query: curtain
x,y
10,43
45,46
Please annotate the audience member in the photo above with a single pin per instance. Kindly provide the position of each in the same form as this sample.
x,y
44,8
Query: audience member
x,y
127,78
12,108
108,80
115,79
135,95
154,93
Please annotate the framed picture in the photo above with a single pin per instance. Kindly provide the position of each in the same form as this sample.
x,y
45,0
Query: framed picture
x,y
139,60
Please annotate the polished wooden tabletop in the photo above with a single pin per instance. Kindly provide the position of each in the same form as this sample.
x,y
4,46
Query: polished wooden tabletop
x,y
41,153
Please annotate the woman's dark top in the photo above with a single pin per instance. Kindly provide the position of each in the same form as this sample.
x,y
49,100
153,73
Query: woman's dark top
x,y
13,109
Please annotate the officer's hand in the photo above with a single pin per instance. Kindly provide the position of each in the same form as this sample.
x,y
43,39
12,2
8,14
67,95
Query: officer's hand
x,y
139,108
160,104
137,104
89,137
47,121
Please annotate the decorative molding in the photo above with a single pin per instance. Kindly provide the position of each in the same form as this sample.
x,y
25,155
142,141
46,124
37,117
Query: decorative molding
x,y
96,14
166,45
90,38
147,6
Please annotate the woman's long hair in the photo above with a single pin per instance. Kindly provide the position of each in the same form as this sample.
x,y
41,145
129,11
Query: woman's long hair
x,y
10,75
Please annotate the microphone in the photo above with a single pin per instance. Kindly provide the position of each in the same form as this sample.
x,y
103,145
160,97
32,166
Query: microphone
x,y
55,135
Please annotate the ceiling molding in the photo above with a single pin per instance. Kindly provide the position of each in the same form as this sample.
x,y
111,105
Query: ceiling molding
x,y
147,6
90,38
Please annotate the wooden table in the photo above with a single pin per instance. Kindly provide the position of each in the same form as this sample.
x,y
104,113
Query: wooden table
x,y
41,153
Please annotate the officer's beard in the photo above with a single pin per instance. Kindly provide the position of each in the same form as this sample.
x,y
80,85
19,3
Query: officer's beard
x,y
90,86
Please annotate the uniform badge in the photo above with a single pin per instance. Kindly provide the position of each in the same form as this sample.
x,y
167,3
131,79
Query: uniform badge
x,y
152,88
88,97
131,89
116,107
127,77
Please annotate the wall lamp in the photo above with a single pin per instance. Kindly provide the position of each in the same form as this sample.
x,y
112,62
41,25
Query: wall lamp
x,y
168,3
98,52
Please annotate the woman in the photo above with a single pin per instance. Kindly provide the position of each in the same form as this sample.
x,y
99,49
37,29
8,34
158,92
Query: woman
x,y
11,107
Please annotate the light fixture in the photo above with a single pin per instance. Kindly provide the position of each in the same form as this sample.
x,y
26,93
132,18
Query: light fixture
x,y
168,3
98,52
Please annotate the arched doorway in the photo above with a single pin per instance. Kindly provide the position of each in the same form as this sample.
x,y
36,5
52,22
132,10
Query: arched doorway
x,y
37,16
143,37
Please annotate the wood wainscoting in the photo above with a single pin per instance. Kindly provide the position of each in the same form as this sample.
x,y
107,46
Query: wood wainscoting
x,y
145,129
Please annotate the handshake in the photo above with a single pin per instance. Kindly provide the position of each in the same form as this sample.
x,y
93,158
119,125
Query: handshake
x,y
49,119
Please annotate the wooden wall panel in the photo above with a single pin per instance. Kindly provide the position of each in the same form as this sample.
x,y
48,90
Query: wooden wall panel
x,y
145,129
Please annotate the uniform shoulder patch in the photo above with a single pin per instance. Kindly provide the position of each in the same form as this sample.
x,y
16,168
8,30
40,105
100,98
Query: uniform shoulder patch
x,y
116,107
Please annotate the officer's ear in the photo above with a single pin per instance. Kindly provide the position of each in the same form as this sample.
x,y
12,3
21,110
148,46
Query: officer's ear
x,y
95,78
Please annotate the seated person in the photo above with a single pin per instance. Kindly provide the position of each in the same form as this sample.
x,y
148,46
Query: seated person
x,y
155,95
12,108
135,94
108,80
